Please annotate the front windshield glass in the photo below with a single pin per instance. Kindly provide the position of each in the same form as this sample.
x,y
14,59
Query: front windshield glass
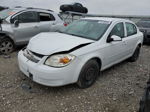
x,y
5,13
144,24
89,29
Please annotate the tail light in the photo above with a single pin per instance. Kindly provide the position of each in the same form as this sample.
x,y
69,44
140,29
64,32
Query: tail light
x,y
65,24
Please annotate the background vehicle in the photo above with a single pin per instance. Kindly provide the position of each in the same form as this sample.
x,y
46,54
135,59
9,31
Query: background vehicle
x,y
80,51
144,26
145,101
2,8
75,7
19,24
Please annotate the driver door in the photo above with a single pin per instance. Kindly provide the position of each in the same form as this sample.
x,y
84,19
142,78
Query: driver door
x,y
115,50
27,28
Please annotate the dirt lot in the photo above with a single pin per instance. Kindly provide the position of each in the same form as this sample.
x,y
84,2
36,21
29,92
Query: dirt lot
x,y
118,89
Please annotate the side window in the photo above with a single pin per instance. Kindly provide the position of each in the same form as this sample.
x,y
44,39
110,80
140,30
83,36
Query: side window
x,y
27,17
46,17
131,29
118,30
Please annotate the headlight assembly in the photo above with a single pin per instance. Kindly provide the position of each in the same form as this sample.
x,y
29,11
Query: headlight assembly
x,y
59,60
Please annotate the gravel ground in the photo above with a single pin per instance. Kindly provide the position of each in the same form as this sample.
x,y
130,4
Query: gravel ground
x,y
118,89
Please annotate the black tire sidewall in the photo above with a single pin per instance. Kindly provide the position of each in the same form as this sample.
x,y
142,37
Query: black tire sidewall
x,y
136,54
90,64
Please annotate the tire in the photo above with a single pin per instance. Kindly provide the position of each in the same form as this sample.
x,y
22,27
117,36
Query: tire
x,y
6,46
135,55
88,74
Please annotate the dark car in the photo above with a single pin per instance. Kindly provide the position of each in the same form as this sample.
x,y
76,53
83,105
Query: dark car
x,y
145,101
75,7
2,8
144,26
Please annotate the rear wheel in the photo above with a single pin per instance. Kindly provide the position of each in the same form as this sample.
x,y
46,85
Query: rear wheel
x,y
6,46
135,55
88,74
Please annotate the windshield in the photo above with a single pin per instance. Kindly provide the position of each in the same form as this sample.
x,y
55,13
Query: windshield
x,y
144,24
5,13
89,29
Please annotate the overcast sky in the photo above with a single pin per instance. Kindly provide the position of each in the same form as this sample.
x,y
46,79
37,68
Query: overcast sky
x,y
114,7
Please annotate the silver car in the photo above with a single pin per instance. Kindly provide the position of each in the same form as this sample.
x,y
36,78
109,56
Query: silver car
x,y
18,25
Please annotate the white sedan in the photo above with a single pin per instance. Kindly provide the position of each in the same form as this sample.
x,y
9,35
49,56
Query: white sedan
x,y
79,52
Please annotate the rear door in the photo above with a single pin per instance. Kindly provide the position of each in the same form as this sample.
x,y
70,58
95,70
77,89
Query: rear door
x,y
28,26
131,38
47,20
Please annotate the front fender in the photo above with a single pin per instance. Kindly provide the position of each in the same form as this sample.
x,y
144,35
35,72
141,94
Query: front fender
x,y
6,34
82,60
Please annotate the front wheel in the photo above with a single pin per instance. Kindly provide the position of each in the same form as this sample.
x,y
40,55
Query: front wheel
x,y
6,46
88,74
135,55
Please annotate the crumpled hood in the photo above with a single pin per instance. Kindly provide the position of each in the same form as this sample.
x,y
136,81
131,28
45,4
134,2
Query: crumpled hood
x,y
53,42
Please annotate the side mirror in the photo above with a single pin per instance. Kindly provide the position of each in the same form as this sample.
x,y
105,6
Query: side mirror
x,y
16,23
116,38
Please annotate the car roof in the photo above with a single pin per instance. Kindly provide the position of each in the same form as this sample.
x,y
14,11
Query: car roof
x,y
19,8
108,19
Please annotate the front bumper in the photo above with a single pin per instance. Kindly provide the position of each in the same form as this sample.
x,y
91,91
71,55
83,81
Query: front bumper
x,y
46,75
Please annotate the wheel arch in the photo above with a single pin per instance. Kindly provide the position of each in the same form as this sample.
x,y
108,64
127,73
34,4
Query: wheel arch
x,y
4,35
98,60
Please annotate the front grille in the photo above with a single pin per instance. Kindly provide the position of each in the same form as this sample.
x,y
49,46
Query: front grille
x,y
32,56
38,55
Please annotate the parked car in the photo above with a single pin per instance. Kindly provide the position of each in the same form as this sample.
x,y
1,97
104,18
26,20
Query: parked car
x,y
80,51
145,101
18,25
75,7
144,26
